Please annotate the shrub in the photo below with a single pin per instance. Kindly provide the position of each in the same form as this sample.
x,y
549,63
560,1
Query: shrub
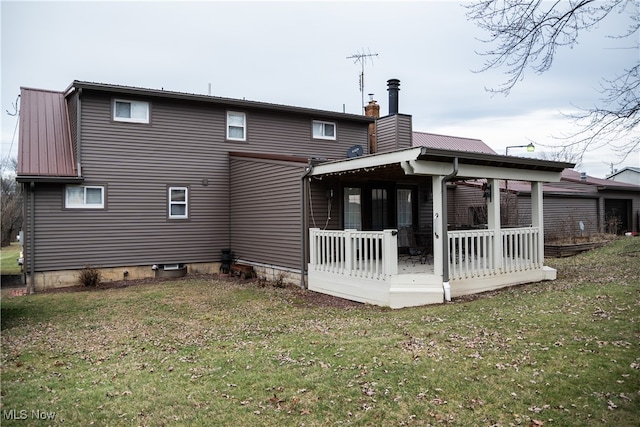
x,y
90,276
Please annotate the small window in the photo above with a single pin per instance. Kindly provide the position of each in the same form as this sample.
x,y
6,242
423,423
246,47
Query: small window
x,y
87,197
130,111
324,130
178,202
236,126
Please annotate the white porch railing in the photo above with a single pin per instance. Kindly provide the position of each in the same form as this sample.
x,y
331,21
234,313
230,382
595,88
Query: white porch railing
x,y
521,249
473,253
365,254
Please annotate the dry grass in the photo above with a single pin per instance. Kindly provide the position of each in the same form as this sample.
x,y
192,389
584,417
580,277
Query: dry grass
x,y
207,352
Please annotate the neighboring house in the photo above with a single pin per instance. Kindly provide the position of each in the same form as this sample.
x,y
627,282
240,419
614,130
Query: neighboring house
x,y
125,178
629,175
577,205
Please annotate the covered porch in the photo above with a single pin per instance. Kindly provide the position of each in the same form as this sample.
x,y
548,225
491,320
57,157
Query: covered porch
x,y
373,266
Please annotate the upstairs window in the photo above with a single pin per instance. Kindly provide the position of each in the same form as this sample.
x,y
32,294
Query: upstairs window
x,y
84,197
130,111
324,130
178,202
236,126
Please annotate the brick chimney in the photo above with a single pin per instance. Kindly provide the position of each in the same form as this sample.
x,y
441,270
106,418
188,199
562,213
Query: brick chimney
x,y
372,109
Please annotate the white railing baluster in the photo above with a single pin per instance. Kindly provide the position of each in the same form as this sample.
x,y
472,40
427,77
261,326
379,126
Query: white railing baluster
x,y
471,252
372,254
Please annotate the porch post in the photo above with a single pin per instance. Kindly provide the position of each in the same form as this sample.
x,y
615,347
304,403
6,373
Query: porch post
x,y
390,252
349,257
438,226
313,248
493,222
537,218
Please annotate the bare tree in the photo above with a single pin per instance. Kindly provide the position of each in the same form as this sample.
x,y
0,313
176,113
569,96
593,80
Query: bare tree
x,y
11,193
561,154
528,34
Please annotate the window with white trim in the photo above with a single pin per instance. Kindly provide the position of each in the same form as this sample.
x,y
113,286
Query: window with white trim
x,y
130,111
324,130
84,197
236,126
178,202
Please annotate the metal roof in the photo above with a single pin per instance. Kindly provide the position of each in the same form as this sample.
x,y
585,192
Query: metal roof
x,y
45,150
492,159
446,142
508,166
599,183
227,102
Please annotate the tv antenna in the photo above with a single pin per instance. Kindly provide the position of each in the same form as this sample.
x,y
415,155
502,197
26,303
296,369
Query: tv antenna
x,y
362,58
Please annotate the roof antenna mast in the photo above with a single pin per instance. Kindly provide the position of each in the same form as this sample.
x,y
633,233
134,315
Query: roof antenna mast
x,y
362,58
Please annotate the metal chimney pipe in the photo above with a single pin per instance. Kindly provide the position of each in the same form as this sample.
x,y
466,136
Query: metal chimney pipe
x,y
393,86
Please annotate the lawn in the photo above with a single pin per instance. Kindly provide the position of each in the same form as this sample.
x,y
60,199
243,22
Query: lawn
x,y
203,352
8,259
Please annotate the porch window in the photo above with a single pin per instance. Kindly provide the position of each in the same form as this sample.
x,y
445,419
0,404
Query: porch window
x,y
404,204
84,196
178,199
352,208
379,209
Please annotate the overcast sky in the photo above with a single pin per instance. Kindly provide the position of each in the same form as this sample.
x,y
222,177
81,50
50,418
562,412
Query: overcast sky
x,y
295,53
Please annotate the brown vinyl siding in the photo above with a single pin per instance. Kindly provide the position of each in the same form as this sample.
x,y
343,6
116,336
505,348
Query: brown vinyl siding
x,y
324,213
394,132
137,163
265,214
183,145
562,216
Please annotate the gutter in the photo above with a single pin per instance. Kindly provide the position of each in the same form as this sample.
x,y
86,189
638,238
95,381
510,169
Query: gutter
x,y
445,228
303,222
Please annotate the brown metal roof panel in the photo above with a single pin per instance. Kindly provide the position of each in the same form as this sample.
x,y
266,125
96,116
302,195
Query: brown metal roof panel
x,y
45,147
446,142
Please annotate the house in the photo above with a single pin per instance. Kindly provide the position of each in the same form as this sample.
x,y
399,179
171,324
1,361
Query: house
x,y
126,179
629,174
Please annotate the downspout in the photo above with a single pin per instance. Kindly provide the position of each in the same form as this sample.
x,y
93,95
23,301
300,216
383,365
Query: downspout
x,y
445,232
303,222
32,238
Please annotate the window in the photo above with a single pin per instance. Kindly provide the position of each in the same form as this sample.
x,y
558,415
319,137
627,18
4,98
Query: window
x,y
404,207
178,199
84,196
236,126
130,111
379,209
352,208
324,130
